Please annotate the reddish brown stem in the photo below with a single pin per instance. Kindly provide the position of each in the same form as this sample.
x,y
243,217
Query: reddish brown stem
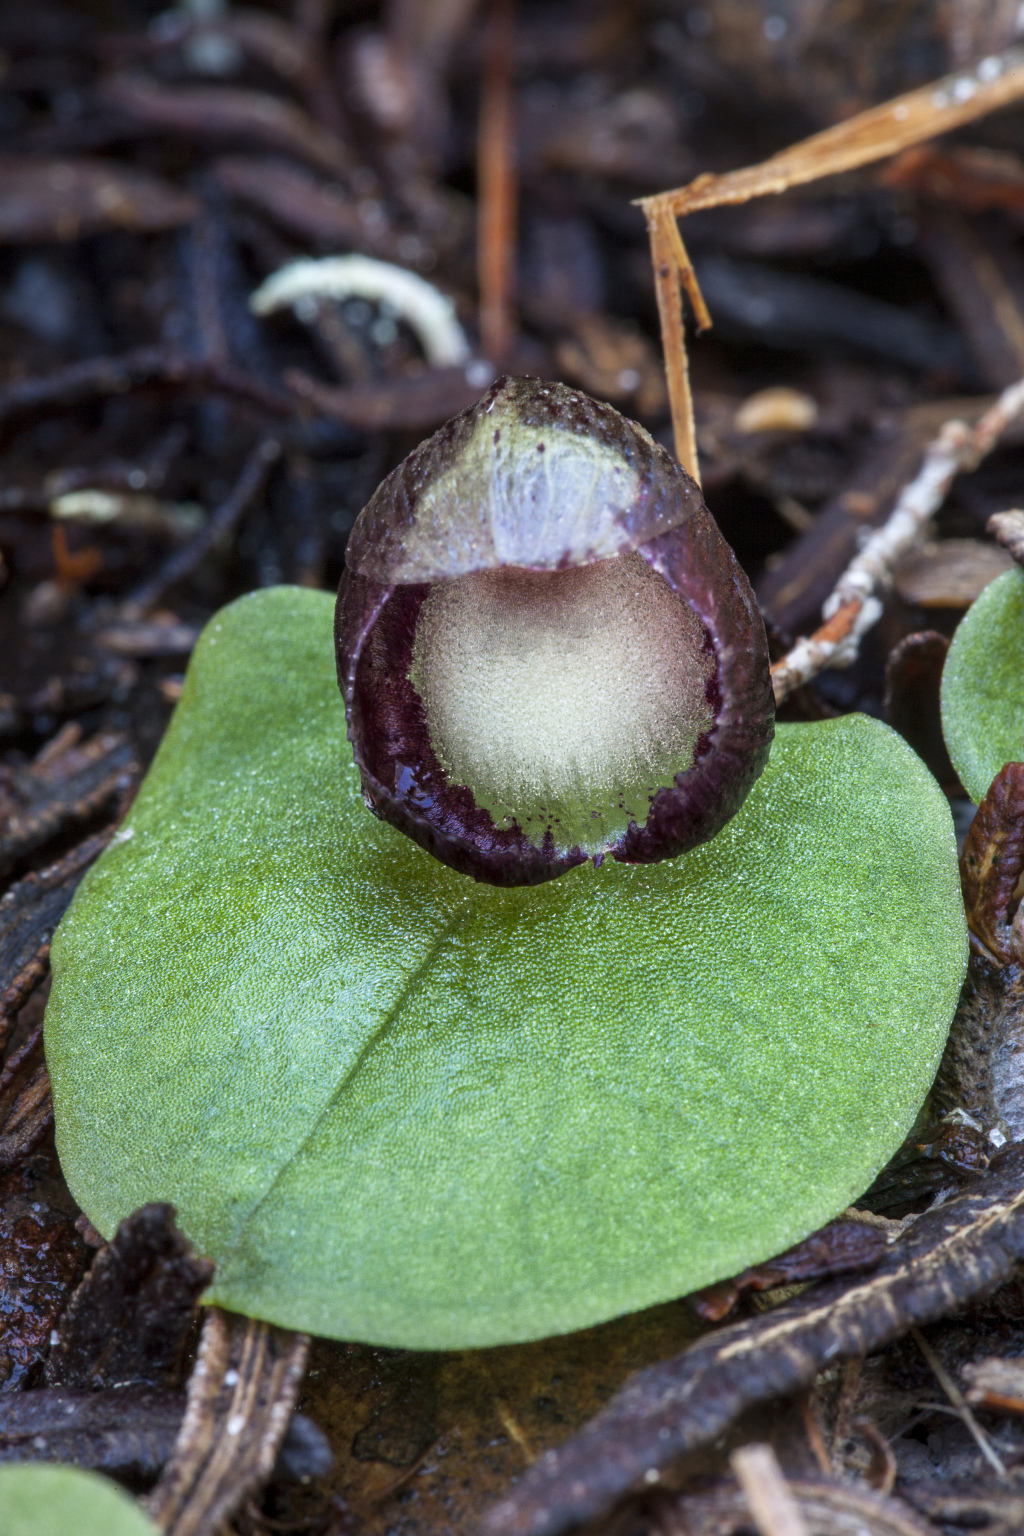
x,y
498,186
669,277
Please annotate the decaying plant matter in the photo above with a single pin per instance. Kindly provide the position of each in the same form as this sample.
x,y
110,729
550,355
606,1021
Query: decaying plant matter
x,y
152,180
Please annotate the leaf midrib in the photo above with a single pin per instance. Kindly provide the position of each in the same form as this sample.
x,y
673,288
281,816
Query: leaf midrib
x,y
412,982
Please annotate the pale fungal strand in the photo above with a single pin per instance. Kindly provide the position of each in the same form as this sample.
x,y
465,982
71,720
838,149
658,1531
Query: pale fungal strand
x,y
917,502
411,298
852,609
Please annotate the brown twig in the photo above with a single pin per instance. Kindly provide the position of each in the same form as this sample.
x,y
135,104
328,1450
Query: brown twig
x,y
949,1257
884,1468
668,286
230,113
872,135
496,231
73,570
827,1508
848,1390
418,403
97,376
812,1429
185,560
382,1495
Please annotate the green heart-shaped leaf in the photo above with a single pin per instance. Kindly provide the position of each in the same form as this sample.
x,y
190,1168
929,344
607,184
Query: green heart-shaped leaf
x,y
983,685
398,1106
37,1500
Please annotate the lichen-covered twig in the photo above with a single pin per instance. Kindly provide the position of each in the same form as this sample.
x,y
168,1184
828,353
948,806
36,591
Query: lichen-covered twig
x,y
852,607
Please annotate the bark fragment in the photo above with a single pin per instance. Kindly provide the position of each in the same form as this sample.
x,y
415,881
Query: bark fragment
x,y
128,1433
132,1319
240,1399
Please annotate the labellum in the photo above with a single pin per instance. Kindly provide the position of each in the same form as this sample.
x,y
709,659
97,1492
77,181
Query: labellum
x,y
547,650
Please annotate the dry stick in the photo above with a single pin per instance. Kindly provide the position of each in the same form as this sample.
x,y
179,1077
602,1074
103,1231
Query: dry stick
x,y
184,561
871,135
812,1429
240,1398
768,1495
959,1403
496,231
668,280
97,376
852,608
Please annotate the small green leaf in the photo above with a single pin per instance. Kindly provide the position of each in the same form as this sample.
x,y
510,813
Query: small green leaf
x,y
983,685
398,1106
39,1500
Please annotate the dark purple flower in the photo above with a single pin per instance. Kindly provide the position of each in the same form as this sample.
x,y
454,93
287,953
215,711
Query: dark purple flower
x,y
547,650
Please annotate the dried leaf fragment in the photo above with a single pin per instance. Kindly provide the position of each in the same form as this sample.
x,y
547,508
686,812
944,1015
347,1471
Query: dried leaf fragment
x,y
41,1260
949,574
779,409
913,674
992,862
840,1248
